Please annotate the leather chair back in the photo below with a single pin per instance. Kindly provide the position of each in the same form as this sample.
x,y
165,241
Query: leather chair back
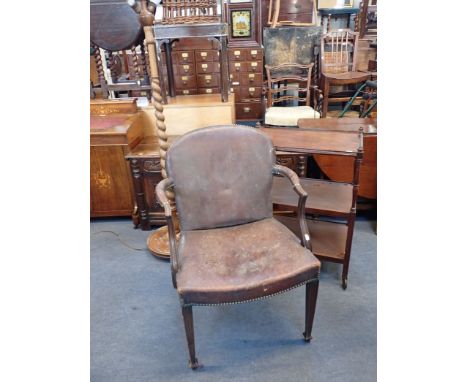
x,y
222,176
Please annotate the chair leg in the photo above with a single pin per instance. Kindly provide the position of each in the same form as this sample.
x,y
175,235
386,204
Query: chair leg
x,y
326,91
311,302
189,332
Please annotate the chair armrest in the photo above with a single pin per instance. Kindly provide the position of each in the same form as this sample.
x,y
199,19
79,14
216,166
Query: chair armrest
x,y
161,189
294,179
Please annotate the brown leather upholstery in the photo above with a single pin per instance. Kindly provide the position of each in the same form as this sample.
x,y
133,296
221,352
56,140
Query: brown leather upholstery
x,y
242,262
222,176
230,248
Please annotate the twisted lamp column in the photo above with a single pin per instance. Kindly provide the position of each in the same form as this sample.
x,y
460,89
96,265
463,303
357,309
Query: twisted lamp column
x,y
158,241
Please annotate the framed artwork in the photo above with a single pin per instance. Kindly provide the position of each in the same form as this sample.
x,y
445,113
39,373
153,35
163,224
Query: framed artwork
x,y
244,20
241,23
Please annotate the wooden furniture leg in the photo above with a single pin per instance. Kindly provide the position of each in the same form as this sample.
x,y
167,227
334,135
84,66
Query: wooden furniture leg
x,y
170,70
326,91
189,332
224,69
276,13
311,302
349,242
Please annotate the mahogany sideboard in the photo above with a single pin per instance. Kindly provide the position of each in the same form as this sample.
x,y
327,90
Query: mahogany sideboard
x,y
115,128
146,174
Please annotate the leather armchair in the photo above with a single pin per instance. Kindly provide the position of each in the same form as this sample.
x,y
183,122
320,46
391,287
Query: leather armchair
x,y
231,249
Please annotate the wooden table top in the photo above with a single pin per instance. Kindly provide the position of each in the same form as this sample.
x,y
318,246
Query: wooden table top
x,y
308,141
369,125
148,148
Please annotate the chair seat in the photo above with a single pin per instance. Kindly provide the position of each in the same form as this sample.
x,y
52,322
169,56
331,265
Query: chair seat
x,y
288,116
347,76
240,263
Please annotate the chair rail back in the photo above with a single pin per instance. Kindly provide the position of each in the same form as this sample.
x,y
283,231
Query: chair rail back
x,y
338,51
280,79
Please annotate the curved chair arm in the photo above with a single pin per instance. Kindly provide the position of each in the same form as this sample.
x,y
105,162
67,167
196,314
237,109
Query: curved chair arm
x,y
294,179
161,189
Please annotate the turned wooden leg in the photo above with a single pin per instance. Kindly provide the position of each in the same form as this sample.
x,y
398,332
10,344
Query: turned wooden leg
x,y
349,241
326,91
311,302
189,332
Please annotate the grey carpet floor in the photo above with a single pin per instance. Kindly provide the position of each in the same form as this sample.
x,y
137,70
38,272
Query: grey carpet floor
x,y
137,333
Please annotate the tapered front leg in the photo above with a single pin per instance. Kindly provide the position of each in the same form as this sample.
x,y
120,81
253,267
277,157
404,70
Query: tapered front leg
x,y
311,302
189,332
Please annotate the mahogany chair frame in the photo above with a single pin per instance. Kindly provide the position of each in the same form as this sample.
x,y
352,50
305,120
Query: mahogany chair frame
x,y
338,65
311,285
276,84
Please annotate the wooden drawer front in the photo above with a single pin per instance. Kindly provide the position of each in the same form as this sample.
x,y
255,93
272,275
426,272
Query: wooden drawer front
x,y
237,67
251,92
205,55
249,110
209,90
251,79
234,77
236,54
184,57
207,67
185,82
253,54
208,80
254,67
236,90
186,91
184,69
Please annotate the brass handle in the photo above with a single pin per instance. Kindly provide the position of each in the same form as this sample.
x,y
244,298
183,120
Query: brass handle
x,y
246,109
208,81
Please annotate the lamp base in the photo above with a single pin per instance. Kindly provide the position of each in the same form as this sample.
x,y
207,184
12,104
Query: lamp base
x,y
158,243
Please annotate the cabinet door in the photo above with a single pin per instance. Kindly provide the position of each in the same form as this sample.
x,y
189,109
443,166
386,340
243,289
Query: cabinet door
x,y
111,189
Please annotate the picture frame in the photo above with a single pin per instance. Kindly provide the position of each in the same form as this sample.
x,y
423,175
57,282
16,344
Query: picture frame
x,y
241,23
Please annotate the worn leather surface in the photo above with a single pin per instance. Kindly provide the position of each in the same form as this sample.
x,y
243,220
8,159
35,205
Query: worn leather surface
x,y
242,262
222,176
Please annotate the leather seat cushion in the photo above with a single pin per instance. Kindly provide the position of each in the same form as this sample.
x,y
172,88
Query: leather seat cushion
x,y
288,116
240,263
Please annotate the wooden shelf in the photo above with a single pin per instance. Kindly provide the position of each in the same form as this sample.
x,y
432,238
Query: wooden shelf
x,y
308,141
328,239
325,197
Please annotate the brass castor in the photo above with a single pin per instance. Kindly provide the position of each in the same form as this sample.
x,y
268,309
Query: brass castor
x,y
306,338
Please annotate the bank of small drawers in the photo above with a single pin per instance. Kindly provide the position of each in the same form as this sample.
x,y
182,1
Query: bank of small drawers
x,y
246,79
196,71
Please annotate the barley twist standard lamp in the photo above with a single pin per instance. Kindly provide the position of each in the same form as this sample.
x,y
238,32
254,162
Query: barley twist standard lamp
x,y
158,241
